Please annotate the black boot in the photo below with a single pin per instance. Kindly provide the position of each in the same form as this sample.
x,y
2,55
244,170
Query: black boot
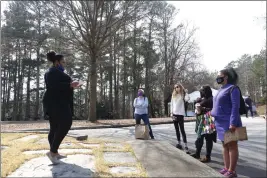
x,y
195,155
179,146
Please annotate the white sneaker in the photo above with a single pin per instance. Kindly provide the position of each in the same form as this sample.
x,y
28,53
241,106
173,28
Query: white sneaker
x,y
53,159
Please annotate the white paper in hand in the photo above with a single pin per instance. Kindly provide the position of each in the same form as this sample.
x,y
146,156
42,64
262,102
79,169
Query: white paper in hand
x,y
80,83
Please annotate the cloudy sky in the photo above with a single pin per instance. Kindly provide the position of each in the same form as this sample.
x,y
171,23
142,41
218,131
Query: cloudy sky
x,y
227,29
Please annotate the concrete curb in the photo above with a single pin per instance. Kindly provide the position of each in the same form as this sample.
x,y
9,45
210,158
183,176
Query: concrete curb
x,y
171,161
92,127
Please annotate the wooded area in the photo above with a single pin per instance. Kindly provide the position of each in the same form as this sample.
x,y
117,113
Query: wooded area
x,y
116,47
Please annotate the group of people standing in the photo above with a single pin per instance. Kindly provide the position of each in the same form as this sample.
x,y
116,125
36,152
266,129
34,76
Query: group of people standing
x,y
215,115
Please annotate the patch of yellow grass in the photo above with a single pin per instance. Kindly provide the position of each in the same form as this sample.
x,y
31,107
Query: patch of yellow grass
x,y
16,149
12,157
261,110
101,167
6,138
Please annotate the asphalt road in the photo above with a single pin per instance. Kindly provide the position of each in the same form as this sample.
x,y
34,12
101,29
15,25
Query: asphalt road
x,y
252,153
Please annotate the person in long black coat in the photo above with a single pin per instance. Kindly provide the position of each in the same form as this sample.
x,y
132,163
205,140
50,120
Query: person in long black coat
x,y
206,104
58,103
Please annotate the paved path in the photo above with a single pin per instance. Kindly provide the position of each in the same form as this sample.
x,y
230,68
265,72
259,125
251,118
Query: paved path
x,y
94,158
161,159
252,156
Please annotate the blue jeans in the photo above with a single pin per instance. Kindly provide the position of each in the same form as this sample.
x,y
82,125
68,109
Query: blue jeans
x,y
145,119
251,112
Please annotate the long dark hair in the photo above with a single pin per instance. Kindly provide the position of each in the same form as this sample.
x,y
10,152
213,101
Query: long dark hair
x,y
231,74
205,92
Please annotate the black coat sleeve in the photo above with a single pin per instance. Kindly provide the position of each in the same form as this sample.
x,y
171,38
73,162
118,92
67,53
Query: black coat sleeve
x,y
206,105
58,81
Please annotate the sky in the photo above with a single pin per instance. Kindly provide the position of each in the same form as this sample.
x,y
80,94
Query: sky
x,y
226,29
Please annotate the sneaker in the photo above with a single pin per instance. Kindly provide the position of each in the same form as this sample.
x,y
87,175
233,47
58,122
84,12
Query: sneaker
x,y
61,156
186,150
179,146
53,159
230,174
223,171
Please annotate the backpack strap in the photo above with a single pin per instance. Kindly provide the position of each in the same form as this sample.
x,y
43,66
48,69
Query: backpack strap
x,y
232,88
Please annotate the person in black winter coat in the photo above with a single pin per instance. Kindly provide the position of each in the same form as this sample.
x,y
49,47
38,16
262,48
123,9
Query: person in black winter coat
x,y
205,105
58,103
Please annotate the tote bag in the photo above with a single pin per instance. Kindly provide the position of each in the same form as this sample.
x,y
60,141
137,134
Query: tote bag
x,y
141,131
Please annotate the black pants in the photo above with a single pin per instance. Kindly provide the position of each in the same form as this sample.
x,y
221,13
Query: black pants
x,y
179,123
58,130
60,119
209,144
251,112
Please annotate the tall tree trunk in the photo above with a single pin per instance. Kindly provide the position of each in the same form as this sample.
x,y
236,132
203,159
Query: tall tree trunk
x,y
166,87
101,83
21,77
80,103
21,92
37,105
15,102
87,93
8,86
110,80
147,65
93,83
134,91
36,113
27,112
116,91
3,94
124,72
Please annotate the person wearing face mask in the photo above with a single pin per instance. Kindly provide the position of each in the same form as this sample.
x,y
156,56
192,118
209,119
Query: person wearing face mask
x,y
141,110
226,105
179,97
58,103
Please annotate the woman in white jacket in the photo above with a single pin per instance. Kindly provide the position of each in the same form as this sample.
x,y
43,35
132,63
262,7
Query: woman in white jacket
x,y
179,97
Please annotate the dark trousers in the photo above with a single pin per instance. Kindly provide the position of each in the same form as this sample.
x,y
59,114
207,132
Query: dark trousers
x,y
179,123
145,119
58,130
251,112
209,144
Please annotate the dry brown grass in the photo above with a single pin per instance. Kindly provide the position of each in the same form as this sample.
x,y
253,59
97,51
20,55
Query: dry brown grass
x,y
16,148
261,110
6,138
